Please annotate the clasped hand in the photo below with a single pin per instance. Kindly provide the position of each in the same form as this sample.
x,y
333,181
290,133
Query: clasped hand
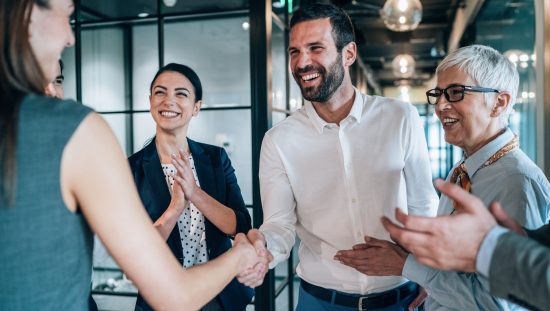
x,y
374,257
253,276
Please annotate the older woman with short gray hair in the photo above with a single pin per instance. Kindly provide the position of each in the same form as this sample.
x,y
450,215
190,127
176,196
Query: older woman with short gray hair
x,y
475,92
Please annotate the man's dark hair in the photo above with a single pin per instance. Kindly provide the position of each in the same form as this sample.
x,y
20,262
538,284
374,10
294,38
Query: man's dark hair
x,y
61,65
342,28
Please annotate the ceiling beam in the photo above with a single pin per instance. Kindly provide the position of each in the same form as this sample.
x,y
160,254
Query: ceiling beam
x,y
464,16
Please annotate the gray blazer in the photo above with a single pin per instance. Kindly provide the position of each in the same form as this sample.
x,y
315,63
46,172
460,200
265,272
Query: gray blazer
x,y
520,268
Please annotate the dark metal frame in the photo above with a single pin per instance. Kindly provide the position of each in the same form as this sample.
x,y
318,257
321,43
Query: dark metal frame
x,y
262,19
260,62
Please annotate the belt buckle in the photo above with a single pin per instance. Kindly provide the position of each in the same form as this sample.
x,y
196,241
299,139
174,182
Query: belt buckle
x,y
360,303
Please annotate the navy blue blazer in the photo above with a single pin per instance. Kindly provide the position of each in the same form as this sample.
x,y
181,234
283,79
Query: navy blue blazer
x,y
217,178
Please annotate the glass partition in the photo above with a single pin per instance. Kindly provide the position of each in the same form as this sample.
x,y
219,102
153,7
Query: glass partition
x,y
145,64
218,50
103,69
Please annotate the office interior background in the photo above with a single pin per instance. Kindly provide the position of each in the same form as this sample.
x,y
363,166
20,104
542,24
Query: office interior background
x,y
239,50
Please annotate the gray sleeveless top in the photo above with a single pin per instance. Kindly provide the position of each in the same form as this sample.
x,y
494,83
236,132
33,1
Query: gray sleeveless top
x,y
45,250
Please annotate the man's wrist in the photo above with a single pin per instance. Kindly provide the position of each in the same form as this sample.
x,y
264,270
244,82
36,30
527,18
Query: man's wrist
x,y
487,248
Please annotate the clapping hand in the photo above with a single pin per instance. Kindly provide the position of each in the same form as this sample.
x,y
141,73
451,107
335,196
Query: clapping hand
x,y
184,176
178,201
446,242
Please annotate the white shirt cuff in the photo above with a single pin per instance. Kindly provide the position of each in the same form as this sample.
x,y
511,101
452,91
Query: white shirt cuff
x,y
273,242
487,248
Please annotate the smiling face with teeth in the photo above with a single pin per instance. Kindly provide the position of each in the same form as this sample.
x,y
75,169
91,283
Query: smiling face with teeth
x,y
172,102
470,123
315,62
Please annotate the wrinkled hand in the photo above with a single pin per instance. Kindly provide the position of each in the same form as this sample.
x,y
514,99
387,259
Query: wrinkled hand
x,y
254,276
374,257
184,175
445,242
506,221
249,257
419,300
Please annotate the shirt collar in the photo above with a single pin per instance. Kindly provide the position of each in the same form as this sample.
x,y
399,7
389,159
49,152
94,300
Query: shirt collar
x,y
474,162
320,124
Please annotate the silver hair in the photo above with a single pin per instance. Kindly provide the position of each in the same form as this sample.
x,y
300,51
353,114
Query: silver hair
x,y
488,68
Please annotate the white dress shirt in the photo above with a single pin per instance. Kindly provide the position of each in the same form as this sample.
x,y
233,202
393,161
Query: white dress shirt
x,y
332,183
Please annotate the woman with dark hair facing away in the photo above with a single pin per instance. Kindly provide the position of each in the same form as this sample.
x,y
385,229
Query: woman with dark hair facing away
x,y
198,218
64,175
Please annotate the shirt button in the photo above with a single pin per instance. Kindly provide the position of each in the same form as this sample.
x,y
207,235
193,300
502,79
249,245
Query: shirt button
x,y
354,200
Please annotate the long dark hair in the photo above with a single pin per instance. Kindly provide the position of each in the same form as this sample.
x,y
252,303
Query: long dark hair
x,y
185,71
20,74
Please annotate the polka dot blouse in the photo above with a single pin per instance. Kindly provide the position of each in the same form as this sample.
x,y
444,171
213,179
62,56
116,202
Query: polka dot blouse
x,y
190,224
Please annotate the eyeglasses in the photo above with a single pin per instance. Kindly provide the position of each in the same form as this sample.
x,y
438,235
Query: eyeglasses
x,y
58,80
455,92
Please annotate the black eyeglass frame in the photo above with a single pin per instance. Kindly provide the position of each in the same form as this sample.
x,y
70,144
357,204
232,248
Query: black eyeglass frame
x,y
464,88
59,80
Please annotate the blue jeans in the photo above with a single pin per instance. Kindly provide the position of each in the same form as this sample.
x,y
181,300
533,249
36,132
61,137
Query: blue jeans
x,y
307,302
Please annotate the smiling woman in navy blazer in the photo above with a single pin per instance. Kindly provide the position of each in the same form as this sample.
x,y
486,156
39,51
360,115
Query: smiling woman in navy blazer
x,y
189,189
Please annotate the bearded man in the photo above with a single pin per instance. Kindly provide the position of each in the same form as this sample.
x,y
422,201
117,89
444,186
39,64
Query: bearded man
x,y
330,171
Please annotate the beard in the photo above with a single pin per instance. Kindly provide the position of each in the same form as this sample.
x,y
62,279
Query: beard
x,y
331,79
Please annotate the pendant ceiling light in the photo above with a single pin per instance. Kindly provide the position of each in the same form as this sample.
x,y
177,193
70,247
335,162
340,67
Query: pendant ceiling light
x,y
170,3
401,15
403,66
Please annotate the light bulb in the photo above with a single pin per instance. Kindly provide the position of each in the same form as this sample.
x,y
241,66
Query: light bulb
x,y
403,66
401,15
524,57
402,5
278,4
170,3
513,55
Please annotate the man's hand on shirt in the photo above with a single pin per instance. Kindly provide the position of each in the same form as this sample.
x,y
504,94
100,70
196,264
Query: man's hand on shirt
x,y
379,258
374,257
254,276
445,242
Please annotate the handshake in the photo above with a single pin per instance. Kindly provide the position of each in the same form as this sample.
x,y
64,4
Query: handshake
x,y
255,257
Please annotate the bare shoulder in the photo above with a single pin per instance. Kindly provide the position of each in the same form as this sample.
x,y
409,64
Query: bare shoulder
x,y
92,147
